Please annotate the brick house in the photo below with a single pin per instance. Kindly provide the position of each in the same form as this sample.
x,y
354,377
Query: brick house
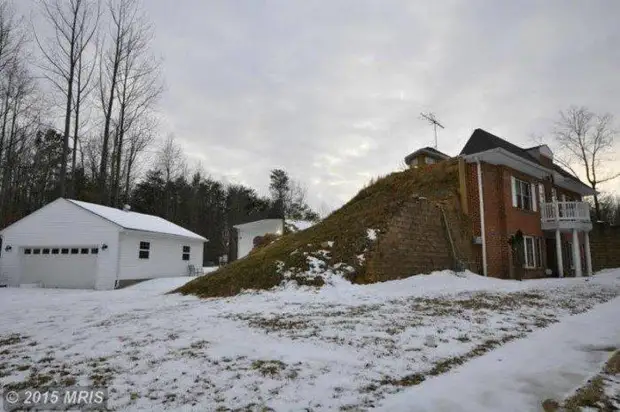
x,y
505,188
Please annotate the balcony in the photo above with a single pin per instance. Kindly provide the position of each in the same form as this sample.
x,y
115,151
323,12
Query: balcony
x,y
566,216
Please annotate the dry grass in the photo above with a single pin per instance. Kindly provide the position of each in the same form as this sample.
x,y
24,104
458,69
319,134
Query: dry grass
x,y
592,394
373,207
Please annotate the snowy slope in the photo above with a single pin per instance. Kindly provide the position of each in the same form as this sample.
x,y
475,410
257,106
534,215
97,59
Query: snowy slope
x,y
341,346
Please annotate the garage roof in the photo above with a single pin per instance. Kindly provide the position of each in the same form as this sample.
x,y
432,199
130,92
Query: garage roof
x,y
137,221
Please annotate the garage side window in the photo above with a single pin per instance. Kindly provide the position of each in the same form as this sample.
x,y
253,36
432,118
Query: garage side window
x,y
144,251
186,252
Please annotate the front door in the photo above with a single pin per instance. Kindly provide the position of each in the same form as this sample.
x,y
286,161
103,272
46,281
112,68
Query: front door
x,y
552,261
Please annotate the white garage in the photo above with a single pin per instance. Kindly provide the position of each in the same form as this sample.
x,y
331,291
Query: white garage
x,y
80,245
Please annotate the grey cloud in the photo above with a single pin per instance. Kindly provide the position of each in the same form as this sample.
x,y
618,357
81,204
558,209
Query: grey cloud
x,y
331,90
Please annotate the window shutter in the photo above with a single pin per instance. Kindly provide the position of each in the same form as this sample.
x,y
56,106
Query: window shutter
x,y
534,197
541,194
513,182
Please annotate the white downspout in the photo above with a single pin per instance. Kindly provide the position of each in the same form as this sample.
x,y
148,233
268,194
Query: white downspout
x,y
482,230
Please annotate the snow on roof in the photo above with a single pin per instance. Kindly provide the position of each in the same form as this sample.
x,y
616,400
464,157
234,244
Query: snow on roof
x,y
137,221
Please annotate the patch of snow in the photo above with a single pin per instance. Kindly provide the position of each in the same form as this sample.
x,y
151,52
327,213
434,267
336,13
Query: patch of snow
x,y
323,349
371,234
519,376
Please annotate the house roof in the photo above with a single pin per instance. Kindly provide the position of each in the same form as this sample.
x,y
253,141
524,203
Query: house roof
x,y
263,225
429,151
481,141
137,221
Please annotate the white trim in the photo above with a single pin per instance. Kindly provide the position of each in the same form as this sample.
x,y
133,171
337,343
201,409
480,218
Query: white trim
x,y
541,194
577,254
501,156
558,252
533,190
482,225
513,184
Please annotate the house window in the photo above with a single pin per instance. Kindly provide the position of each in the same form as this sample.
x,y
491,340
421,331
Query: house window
x,y
185,252
144,251
530,252
27,251
539,251
522,195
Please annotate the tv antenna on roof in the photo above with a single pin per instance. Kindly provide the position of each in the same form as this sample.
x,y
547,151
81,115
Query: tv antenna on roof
x,y
430,117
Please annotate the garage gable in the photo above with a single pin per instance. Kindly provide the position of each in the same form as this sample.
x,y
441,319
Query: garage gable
x,y
59,218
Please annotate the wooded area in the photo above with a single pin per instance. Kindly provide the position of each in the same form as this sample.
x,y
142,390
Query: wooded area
x,y
96,72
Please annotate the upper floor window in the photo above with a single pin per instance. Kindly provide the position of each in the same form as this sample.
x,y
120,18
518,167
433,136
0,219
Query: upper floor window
x,y
523,194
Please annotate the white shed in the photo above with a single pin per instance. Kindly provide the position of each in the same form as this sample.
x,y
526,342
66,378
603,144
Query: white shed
x,y
80,245
247,232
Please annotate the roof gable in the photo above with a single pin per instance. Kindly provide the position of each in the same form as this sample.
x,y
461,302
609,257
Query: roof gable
x,y
136,221
482,141
430,151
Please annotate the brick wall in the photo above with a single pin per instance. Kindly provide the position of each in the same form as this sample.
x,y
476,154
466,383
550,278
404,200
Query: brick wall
x,y
417,241
501,219
605,246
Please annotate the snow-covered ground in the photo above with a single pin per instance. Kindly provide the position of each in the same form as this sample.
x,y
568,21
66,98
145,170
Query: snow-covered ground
x,y
457,342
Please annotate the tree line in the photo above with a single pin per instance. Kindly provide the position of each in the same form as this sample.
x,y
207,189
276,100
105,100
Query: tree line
x,y
79,87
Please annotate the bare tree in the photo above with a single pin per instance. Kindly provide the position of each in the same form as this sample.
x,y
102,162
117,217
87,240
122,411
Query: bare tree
x,y
141,135
585,141
138,88
74,23
125,20
83,87
11,38
171,159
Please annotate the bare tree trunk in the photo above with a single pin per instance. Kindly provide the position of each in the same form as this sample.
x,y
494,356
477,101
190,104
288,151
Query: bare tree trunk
x,y
70,21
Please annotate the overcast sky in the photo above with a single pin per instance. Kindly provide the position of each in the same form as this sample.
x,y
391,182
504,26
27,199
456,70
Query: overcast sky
x,y
331,90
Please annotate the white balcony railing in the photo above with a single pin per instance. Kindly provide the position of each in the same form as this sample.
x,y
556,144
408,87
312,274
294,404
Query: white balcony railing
x,y
565,212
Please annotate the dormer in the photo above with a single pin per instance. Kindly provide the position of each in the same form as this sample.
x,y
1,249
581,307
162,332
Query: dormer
x,y
543,154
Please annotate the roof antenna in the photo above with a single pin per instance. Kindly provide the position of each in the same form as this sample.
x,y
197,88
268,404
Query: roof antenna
x,y
430,117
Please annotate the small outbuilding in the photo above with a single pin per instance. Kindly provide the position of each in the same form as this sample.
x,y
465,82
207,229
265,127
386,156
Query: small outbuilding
x,y
80,245
247,233
425,156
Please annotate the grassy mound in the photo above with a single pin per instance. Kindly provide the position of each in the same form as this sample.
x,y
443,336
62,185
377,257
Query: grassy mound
x,y
337,242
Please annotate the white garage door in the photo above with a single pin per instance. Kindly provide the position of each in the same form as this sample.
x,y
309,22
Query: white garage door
x,y
72,267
